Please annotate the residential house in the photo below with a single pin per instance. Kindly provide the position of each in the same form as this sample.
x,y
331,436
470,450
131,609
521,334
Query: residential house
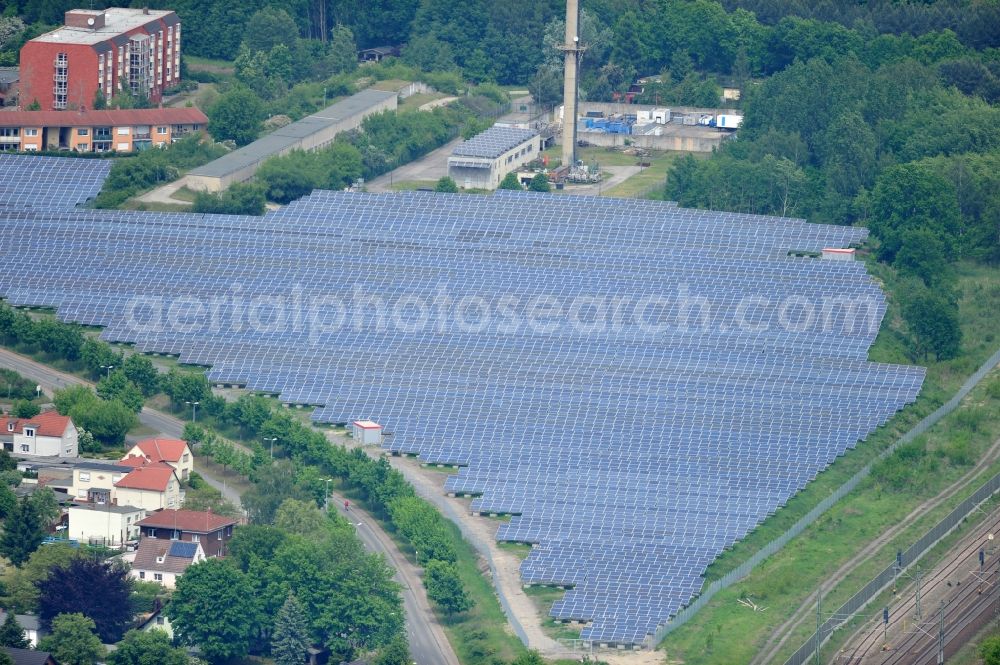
x,y
92,482
30,656
151,487
46,435
164,561
174,452
157,620
211,530
107,523
29,624
378,53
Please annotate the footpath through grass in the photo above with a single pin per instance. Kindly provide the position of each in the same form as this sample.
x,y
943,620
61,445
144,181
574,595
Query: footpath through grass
x,y
726,631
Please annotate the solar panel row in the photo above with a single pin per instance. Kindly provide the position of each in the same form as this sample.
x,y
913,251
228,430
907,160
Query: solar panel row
x,y
638,384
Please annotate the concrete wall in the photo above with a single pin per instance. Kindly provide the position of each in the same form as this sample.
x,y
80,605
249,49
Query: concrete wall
x,y
679,141
611,108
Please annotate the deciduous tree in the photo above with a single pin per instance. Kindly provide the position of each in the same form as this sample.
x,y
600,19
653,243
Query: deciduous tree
x,y
445,588
147,648
25,409
20,583
214,608
540,183
236,116
446,185
93,588
73,642
510,182
116,386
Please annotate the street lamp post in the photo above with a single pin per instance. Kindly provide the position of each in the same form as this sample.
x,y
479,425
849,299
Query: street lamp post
x,y
326,505
109,368
272,440
194,410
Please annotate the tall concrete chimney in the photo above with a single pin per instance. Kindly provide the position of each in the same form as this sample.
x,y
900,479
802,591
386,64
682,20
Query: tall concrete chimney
x,y
570,82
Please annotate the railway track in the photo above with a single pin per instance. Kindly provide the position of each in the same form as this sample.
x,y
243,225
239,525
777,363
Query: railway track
x,y
958,597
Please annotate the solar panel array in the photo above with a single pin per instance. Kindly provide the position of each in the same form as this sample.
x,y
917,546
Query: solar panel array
x,y
183,549
50,182
639,384
494,142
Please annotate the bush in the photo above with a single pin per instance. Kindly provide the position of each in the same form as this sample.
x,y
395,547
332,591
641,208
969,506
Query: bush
x,y
238,199
17,386
25,409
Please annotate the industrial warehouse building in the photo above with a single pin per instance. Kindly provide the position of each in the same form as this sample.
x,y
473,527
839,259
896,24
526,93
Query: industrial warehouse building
x,y
104,51
484,160
110,130
309,133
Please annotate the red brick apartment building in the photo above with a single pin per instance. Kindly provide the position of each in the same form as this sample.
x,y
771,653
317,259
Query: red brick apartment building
x,y
102,50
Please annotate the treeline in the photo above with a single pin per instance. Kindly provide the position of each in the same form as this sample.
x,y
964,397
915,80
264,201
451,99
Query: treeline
x,y
304,579
277,44
974,22
306,459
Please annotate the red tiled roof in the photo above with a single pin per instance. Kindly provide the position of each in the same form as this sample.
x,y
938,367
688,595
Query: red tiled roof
x,y
184,115
47,423
134,461
162,450
195,521
154,477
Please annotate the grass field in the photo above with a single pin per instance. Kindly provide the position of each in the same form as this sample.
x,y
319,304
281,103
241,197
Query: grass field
x,y
197,64
651,178
725,629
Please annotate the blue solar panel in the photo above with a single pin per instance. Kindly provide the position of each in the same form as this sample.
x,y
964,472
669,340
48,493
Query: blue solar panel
x,y
631,444
183,549
50,182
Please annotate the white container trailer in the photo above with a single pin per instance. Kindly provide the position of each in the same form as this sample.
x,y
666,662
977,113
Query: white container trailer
x,y
661,116
728,121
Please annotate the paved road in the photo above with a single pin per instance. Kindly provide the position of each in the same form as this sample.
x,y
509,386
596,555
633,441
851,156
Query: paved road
x,y
430,167
428,644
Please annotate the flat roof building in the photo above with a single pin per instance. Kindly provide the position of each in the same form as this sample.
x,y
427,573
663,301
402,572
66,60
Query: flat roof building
x,y
310,133
484,160
102,51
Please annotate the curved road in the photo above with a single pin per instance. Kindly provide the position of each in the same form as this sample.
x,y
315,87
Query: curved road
x,y
428,643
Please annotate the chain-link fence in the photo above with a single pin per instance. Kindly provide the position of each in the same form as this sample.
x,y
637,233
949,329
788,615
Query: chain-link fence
x,y
885,578
744,569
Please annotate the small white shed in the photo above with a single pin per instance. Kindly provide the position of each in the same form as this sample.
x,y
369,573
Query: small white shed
x,y
367,432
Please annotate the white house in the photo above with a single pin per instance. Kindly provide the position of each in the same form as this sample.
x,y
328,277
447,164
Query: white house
x,y
163,561
158,620
114,525
46,435
151,487
93,481
29,624
174,452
